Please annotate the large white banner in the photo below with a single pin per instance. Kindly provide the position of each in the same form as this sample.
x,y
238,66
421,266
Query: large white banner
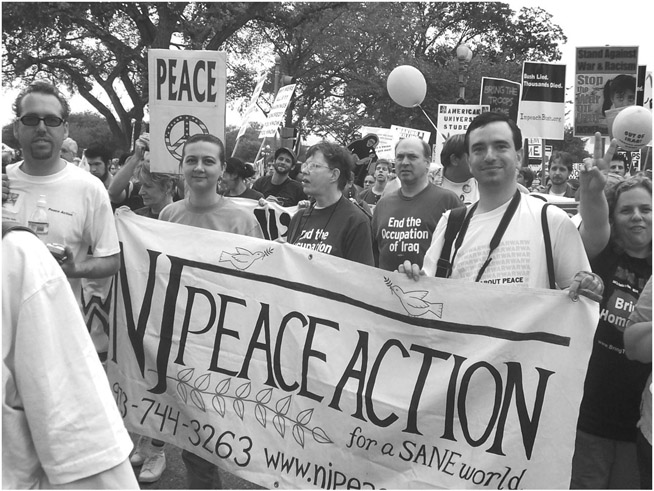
x,y
295,369
187,96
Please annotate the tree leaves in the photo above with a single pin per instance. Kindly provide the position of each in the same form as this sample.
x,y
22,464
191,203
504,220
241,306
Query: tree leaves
x,y
341,79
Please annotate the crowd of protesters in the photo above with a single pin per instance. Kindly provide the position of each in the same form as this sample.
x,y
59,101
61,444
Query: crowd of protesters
x,y
398,222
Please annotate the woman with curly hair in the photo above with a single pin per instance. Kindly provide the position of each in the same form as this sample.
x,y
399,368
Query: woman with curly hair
x,y
617,233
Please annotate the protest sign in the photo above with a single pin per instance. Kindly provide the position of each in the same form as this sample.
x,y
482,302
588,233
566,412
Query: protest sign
x,y
404,132
273,218
385,149
277,111
595,68
187,96
388,138
252,106
259,357
647,90
453,119
502,96
542,103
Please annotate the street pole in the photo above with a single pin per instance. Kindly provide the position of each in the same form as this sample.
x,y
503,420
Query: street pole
x,y
463,55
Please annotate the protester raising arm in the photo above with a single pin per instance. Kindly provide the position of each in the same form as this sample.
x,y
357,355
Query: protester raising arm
x,y
119,187
595,228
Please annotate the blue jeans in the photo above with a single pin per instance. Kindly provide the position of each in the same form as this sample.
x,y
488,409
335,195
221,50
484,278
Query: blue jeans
x,y
200,473
602,463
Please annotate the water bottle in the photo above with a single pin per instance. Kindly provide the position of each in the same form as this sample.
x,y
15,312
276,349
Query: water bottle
x,y
38,222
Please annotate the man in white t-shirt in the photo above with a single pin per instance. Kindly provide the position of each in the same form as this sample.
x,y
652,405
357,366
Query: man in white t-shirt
x,y
78,209
60,423
494,145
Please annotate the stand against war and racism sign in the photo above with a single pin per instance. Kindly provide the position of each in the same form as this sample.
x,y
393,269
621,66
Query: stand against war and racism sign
x,y
257,356
595,67
542,105
453,119
502,96
187,96
277,111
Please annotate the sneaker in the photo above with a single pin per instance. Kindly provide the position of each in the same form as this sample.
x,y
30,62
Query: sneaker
x,y
140,452
153,466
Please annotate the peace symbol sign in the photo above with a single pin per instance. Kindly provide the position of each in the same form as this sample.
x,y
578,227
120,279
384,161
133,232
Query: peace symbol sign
x,y
178,131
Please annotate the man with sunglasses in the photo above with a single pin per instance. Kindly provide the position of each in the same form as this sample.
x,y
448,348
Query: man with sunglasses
x,y
78,208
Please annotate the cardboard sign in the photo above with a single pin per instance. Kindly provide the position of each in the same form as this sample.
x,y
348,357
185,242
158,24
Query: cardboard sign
x,y
404,132
595,68
542,102
252,106
187,96
502,96
454,119
277,112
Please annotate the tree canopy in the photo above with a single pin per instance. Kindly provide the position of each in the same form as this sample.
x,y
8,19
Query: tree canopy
x,y
339,52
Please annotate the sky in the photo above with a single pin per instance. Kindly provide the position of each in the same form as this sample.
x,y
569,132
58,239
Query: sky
x,y
585,23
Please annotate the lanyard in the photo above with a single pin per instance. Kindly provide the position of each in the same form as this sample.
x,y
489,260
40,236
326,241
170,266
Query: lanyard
x,y
497,236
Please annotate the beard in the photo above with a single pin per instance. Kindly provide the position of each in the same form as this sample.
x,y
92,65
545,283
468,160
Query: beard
x,y
282,169
42,152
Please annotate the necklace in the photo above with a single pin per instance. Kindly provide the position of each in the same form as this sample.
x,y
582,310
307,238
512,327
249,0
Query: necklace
x,y
297,232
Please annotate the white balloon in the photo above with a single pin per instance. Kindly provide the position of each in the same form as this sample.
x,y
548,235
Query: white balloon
x,y
407,86
632,128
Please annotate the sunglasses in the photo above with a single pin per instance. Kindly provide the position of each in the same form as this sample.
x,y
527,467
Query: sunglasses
x,y
51,121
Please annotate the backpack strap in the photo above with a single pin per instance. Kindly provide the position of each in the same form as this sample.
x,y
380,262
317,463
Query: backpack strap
x,y
9,226
454,224
548,246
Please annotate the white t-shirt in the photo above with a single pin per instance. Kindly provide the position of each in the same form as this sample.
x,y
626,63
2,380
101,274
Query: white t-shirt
x,y
520,258
60,422
79,210
468,191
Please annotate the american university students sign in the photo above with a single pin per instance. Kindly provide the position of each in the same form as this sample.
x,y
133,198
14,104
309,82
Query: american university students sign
x,y
295,369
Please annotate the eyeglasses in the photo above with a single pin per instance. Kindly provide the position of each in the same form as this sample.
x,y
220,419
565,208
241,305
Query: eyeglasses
x,y
311,166
51,121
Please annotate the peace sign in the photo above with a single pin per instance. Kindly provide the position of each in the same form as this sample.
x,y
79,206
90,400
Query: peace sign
x,y
593,175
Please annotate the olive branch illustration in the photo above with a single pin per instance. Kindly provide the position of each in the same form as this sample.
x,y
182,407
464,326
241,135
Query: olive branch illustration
x,y
197,389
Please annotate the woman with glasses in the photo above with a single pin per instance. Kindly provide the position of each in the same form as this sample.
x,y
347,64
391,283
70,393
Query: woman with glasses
x,y
332,224
617,233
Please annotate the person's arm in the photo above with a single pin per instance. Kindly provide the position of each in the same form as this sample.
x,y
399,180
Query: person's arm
x,y
118,477
91,267
595,228
358,242
638,341
638,333
5,186
119,185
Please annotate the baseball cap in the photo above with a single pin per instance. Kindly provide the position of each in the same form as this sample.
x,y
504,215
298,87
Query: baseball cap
x,y
288,151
